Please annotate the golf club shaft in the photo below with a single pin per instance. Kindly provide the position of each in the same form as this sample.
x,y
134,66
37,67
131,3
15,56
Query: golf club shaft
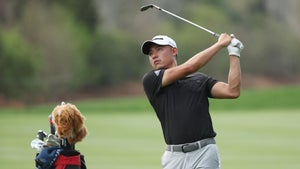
x,y
185,20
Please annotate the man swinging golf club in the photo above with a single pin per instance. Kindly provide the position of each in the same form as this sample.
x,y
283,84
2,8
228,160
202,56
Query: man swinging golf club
x,y
179,95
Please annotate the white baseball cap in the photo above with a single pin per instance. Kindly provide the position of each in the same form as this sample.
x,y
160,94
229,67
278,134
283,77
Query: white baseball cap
x,y
159,40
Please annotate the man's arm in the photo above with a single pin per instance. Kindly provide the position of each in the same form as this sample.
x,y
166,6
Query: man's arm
x,y
231,89
196,62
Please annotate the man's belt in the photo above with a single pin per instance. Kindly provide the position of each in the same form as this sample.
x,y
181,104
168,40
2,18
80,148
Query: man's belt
x,y
190,146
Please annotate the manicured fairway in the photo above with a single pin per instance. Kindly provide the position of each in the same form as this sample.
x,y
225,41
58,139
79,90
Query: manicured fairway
x,y
261,139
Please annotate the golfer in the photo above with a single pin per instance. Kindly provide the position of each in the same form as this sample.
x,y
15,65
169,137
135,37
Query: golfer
x,y
179,95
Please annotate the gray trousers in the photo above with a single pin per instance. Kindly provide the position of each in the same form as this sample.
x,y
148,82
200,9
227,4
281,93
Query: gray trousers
x,y
204,158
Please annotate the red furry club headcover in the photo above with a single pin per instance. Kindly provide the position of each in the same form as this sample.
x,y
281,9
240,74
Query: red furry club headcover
x,y
69,123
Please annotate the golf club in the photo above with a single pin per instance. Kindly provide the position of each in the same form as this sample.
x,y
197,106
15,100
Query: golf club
x,y
146,7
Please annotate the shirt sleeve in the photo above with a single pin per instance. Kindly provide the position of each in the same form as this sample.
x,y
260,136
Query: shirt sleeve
x,y
152,82
210,83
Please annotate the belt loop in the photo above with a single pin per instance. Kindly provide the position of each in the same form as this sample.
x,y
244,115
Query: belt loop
x,y
199,144
172,148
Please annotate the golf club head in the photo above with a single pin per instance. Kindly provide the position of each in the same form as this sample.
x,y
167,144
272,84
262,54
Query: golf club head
x,y
37,144
146,7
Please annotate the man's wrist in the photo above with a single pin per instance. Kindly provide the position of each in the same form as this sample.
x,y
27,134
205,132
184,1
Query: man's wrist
x,y
235,56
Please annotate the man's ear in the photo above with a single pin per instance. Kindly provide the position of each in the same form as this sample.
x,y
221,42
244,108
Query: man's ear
x,y
175,52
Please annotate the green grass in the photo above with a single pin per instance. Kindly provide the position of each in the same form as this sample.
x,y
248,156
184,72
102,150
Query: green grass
x,y
260,130
262,140
286,98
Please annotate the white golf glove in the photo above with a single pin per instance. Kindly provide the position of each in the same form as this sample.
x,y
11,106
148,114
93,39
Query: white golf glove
x,y
235,47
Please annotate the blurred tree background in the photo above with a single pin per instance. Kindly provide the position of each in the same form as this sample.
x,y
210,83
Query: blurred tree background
x,y
52,48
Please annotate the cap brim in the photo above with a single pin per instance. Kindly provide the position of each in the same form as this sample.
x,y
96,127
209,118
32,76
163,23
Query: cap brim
x,y
146,47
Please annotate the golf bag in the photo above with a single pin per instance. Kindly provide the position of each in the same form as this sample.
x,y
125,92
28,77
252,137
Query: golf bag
x,y
56,153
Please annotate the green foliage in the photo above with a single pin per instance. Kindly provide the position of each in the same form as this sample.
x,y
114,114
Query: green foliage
x,y
79,46
19,63
114,58
63,43
277,57
84,12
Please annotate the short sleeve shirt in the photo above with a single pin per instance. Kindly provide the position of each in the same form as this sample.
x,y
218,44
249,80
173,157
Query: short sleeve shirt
x,y
182,107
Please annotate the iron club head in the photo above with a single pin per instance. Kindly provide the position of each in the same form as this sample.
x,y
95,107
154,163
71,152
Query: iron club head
x,y
146,7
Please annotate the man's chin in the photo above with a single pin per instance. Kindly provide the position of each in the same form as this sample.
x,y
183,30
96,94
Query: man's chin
x,y
159,67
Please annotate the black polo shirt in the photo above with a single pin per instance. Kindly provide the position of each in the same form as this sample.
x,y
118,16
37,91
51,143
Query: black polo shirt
x,y
182,107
